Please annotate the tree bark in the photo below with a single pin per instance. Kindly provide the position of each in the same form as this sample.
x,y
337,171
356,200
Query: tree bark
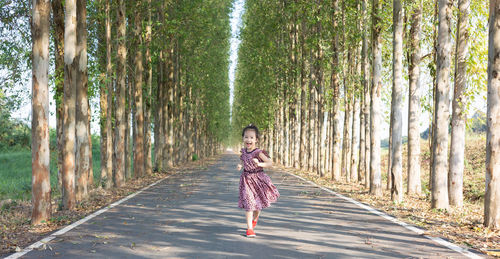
x,y
414,181
139,112
492,194
364,96
335,85
355,140
441,110
397,96
375,106
107,162
456,170
121,92
58,30
148,166
82,155
40,151
69,110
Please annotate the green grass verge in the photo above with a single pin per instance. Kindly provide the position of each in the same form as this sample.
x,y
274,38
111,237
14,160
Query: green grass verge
x,y
15,172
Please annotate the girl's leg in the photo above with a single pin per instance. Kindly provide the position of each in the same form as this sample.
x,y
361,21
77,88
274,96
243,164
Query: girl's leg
x,y
256,214
249,215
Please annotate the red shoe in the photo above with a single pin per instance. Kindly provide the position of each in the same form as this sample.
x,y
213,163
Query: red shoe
x,y
250,233
254,222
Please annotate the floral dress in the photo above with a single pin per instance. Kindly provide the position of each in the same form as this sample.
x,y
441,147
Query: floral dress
x,y
256,189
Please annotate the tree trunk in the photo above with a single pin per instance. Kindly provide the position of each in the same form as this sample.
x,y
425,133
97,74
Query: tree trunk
x,y
441,112
121,92
159,134
364,95
375,108
82,139
492,194
107,150
58,30
397,103
40,151
303,102
355,140
346,145
456,170
335,85
414,181
129,103
139,112
148,166
69,110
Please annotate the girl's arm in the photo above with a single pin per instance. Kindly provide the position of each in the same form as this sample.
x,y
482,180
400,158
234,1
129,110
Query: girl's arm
x,y
239,166
267,161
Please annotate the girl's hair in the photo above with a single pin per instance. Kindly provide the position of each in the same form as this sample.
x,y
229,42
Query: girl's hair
x,y
251,127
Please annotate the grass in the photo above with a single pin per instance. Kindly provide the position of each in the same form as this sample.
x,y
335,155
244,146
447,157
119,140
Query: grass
x,y
15,172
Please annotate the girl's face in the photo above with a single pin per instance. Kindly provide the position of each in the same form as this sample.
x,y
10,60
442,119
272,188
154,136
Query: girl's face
x,y
250,139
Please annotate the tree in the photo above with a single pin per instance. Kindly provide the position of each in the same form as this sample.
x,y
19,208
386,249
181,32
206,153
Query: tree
x,y
106,103
82,155
335,85
492,195
121,92
414,181
148,166
456,170
58,29
139,112
40,151
375,113
441,112
69,109
397,96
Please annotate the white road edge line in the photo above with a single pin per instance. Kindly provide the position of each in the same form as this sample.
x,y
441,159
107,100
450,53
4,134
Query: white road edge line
x,y
438,240
77,223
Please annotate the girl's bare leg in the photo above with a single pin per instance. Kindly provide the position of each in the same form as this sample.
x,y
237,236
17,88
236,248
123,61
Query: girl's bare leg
x,y
249,216
256,214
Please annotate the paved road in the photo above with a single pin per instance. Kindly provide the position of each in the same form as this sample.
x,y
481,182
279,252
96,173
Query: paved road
x,y
195,215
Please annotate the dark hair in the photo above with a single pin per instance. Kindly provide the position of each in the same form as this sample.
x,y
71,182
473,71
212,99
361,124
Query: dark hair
x,y
251,127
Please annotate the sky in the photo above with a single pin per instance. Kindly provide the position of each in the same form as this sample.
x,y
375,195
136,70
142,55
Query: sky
x,y
238,9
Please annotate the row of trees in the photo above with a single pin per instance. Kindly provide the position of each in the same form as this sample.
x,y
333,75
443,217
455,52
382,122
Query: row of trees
x,y
303,63
154,64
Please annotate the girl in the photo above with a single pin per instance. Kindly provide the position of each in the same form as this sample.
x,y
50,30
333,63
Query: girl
x,y
256,189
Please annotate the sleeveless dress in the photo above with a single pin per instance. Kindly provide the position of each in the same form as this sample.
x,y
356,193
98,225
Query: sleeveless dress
x,y
256,189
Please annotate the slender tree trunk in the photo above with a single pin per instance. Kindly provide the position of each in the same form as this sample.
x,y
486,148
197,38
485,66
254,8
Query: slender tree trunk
x,y
82,140
148,166
303,102
355,140
397,96
346,145
129,103
171,98
139,112
107,163
69,110
456,170
492,194
40,151
159,134
375,120
367,100
58,30
441,111
335,85
414,181
364,85
121,92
